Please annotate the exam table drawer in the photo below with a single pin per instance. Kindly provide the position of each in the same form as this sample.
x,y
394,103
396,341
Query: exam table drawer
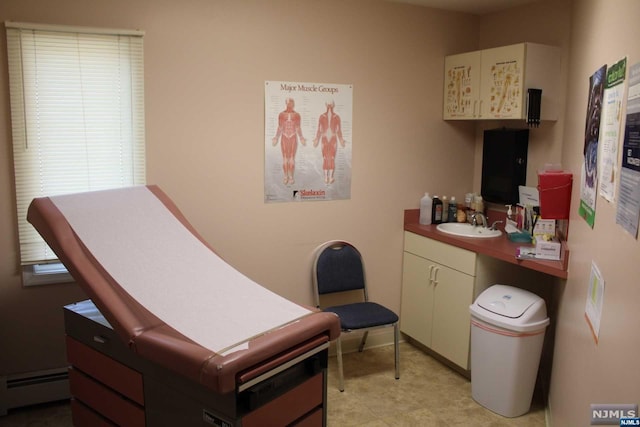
x,y
119,377
289,407
82,415
105,401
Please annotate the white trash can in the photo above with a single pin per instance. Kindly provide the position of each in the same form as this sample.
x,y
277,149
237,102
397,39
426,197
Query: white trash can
x,y
507,333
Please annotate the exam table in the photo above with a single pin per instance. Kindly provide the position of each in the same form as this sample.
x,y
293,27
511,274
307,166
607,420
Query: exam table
x,y
172,335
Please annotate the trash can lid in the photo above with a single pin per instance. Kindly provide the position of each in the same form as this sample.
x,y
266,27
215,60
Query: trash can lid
x,y
507,301
510,308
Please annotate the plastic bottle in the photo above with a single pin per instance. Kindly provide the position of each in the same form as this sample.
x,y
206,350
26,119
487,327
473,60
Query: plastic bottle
x,y
479,204
436,215
426,206
453,209
470,205
445,209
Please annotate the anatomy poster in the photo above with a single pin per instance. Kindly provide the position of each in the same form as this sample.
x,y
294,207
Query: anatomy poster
x,y
307,141
506,88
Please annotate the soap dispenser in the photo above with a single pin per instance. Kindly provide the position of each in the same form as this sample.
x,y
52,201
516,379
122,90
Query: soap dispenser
x,y
510,224
509,213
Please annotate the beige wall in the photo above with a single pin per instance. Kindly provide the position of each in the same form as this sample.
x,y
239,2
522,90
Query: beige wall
x,y
584,373
205,66
206,62
591,33
532,23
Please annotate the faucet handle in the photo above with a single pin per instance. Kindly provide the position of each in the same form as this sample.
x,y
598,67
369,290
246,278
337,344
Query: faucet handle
x,y
494,224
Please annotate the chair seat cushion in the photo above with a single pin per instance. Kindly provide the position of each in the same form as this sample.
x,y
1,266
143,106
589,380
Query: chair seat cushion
x,y
363,315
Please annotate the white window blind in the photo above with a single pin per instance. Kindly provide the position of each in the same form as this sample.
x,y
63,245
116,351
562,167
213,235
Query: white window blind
x,y
77,116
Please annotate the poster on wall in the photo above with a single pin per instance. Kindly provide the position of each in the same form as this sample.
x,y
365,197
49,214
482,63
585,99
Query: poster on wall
x,y
628,209
610,129
589,181
307,141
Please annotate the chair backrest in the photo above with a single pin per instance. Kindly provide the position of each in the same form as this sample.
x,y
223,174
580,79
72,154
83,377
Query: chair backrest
x,y
338,267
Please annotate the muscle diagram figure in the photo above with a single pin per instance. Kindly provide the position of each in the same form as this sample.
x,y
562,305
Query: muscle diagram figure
x,y
329,132
289,131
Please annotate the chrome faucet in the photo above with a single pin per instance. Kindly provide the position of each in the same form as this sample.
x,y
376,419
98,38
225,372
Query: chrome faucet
x,y
474,219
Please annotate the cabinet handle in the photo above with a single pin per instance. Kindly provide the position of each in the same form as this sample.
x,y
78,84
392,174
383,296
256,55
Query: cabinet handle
x,y
435,275
431,273
100,339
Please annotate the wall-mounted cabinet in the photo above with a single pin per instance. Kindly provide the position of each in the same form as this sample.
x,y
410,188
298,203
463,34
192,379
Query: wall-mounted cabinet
x,y
493,83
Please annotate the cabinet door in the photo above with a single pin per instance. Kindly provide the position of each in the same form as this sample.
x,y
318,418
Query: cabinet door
x,y
416,310
461,86
502,83
453,294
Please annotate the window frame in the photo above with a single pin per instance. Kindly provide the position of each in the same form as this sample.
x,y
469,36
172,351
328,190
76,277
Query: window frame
x,y
44,268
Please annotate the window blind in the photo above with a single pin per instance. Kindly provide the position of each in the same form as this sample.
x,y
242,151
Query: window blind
x,y
77,116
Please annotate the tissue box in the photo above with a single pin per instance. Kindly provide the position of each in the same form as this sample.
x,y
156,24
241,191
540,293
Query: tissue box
x,y
548,249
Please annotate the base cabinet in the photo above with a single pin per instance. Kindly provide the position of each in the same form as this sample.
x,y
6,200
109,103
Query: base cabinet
x,y
438,286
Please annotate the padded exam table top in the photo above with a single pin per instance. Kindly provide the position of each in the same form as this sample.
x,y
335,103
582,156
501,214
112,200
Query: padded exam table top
x,y
163,289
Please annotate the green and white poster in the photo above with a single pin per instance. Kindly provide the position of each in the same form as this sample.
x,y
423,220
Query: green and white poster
x,y
589,181
610,130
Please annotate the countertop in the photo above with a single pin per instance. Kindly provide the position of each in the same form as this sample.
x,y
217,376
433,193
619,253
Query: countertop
x,y
499,247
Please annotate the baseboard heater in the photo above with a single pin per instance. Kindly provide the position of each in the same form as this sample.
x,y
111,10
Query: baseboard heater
x,y
32,388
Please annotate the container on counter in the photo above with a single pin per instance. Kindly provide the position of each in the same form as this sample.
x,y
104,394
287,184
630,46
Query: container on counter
x,y
436,215
426,206
452,215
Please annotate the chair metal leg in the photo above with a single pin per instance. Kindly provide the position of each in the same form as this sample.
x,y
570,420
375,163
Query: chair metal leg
x,y
396,334
363,341
339,356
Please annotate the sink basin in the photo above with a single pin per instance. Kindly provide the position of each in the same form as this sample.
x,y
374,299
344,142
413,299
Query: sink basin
x,y
464,229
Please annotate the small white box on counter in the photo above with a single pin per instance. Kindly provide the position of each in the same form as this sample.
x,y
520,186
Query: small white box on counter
x,y
548,249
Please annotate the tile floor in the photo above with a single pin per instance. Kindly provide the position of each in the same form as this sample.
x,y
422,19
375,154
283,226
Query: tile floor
x,y
427,394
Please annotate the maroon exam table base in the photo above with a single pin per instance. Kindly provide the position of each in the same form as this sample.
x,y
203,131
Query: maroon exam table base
x,y
111,385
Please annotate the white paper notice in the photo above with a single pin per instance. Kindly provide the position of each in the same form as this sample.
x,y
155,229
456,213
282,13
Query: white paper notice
x,y
595,296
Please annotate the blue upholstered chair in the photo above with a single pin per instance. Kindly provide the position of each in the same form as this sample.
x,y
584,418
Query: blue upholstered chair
x,y
338,267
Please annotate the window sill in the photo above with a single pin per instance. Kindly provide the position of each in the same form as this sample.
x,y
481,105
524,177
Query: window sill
x,y
45,274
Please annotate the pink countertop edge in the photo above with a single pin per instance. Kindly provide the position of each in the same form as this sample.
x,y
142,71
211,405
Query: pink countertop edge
x,y
500,247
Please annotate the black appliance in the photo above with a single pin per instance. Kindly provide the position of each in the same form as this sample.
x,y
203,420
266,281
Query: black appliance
x,y
504,164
